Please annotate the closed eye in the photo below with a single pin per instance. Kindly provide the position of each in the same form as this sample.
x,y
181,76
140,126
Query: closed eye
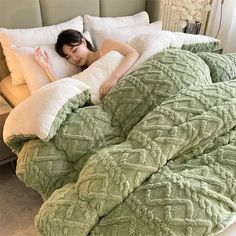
x,y
74,49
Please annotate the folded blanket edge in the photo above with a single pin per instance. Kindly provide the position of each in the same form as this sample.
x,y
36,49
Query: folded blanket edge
x,y
16,141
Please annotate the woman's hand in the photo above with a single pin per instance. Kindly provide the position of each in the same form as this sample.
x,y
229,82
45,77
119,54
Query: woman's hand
x,y
106,87
43,59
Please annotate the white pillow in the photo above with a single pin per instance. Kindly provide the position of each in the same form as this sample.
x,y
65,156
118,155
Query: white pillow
x,y
90,22
124,34
34,74
96,74
31,37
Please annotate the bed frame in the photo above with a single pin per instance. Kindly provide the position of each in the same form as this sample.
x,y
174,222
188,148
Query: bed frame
x,y
38,13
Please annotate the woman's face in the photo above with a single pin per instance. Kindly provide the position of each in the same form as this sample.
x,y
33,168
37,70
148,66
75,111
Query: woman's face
x,y
76,54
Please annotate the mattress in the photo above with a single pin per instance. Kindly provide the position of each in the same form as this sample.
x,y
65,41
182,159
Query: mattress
x,y
13,94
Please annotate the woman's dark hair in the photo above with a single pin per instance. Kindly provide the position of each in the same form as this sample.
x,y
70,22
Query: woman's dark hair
x,y
70,37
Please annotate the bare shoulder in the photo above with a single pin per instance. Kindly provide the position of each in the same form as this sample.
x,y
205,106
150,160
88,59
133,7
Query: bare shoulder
x,y
111,44
108,42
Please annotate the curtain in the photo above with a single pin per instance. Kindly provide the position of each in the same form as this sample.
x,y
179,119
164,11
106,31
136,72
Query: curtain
x,y
227,32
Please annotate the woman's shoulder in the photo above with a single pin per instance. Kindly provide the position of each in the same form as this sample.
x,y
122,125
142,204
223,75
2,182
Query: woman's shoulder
x,y
110,44
109,41
107,46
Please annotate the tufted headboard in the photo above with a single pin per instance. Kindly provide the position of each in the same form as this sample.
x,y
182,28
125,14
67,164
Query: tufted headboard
x,y
37,13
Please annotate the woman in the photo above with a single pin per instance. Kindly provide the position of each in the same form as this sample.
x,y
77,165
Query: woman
x,y
77,50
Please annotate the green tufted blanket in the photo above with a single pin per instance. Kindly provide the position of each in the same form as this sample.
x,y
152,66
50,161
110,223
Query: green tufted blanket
x,y
156,158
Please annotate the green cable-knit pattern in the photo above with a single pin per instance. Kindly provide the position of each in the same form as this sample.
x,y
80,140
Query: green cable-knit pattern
x,y
84,132
178,198
58,161
222,67
75,102
16,142
200,47
162,76
44,168
156,158
196,197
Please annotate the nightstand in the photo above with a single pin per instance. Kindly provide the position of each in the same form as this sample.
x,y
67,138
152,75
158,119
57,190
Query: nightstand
x,y
6,155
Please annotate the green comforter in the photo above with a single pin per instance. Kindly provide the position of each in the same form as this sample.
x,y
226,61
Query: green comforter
x,y
158,157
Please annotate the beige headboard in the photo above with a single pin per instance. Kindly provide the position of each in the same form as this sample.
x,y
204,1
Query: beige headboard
x,y
36,13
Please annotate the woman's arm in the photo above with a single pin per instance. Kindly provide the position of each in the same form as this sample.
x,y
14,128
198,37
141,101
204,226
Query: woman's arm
x,y
131,56
44,61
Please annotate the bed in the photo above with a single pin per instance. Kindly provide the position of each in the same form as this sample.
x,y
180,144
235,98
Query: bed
x,y
155,158
35,13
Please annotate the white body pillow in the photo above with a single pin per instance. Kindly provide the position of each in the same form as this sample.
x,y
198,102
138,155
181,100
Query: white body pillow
x,y
124,34
97,73
34,74
31,37
91,22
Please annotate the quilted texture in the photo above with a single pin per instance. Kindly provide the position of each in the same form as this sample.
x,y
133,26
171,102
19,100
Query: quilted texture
x,y
160,77
156,158
222,67
200,47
